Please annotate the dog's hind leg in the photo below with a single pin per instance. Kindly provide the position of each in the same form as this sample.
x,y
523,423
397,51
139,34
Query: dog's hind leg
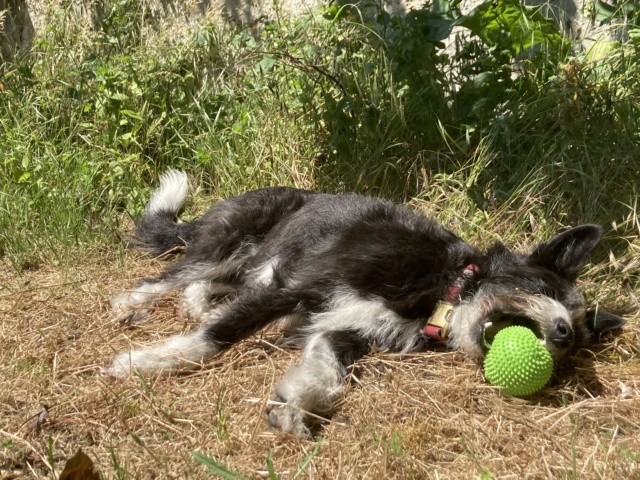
x,y
197,298
311,389
250,312
201,281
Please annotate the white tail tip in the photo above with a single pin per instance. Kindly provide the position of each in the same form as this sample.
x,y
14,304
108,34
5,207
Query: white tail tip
x,y
169,197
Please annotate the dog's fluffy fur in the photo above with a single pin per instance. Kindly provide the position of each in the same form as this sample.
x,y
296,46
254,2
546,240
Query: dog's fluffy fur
x,y
344,272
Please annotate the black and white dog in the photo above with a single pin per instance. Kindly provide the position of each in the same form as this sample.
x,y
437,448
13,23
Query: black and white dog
x,y
345,272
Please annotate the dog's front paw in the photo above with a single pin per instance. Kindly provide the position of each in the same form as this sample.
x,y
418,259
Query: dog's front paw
x,y
287,418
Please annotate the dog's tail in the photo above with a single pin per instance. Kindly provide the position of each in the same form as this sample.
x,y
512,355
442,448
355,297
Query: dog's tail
x,y
159,230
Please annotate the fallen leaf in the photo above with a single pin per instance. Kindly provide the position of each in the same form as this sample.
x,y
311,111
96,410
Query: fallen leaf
x,y
79,467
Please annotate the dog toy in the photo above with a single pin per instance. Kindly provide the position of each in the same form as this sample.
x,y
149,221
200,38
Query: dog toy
x,y
517,362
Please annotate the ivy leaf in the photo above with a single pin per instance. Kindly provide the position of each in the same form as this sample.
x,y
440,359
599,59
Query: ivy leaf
x,y
506,23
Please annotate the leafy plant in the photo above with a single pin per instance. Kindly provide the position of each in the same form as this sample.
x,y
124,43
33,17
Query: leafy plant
x,y
507,24
626,10
89,118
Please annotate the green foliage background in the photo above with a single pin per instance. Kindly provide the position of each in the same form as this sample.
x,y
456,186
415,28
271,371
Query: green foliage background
x,y
510,122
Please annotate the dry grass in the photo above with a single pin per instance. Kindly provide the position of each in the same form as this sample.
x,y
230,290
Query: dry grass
x,y
428,415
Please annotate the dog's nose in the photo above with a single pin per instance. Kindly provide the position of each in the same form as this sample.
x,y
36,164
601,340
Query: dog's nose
x,y
561,334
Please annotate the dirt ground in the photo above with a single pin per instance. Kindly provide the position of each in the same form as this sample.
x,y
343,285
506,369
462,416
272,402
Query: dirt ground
x,y
427,415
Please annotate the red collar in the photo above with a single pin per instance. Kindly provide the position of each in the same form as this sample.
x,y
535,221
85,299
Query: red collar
x,y
437,326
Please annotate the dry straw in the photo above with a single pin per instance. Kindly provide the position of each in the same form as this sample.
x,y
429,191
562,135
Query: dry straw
x,y
427,415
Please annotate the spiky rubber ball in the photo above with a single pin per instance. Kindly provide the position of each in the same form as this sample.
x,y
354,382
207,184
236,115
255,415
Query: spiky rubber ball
x,y
517,362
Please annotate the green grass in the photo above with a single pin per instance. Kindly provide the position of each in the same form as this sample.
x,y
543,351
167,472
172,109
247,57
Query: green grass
x,y
220,470
90,119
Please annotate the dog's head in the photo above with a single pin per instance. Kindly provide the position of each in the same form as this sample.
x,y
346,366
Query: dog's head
x,y
536,290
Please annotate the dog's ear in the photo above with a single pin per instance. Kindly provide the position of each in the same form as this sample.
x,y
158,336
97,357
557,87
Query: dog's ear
x,y
599,322
566,253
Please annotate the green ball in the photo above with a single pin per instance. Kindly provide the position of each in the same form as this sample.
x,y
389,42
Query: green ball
x,y
517,362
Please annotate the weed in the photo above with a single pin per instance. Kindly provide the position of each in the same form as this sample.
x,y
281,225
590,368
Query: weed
x,y
223,471
120,468
217,468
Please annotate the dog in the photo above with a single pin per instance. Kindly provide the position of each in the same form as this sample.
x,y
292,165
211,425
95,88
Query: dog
x,y
345,272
